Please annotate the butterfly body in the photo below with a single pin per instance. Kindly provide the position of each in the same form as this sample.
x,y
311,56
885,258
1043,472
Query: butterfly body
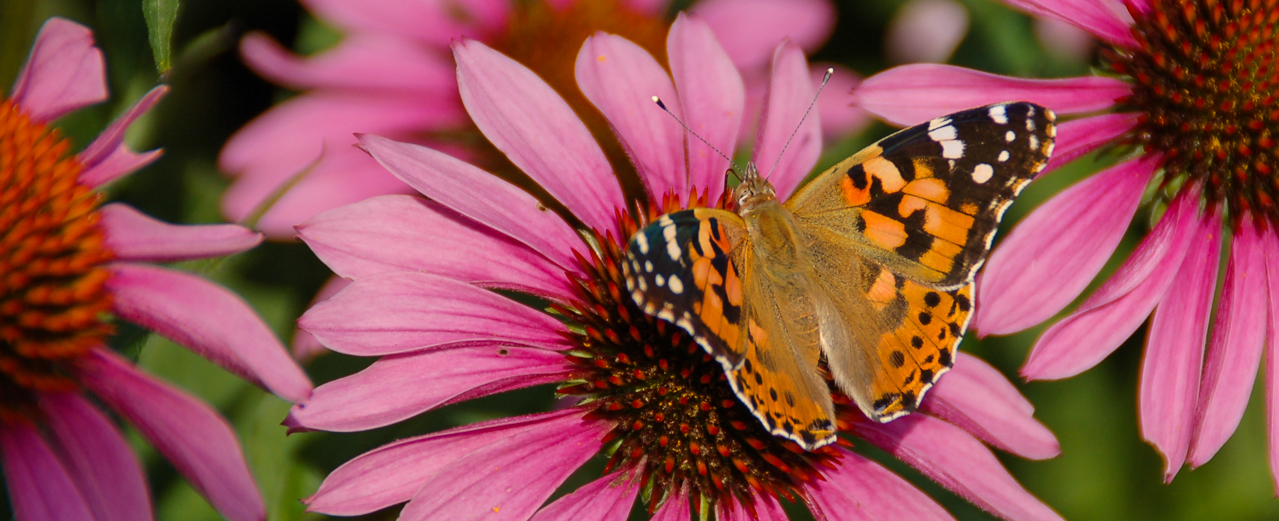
x,y
870,266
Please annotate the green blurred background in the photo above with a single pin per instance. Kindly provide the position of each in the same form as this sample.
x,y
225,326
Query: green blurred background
x,y
1105,471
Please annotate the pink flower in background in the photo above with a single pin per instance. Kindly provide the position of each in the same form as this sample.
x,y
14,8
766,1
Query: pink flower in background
x,y
64,262
392,75
422,270
1193,95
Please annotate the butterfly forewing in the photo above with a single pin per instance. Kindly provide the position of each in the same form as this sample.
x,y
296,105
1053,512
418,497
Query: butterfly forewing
x,y
925,202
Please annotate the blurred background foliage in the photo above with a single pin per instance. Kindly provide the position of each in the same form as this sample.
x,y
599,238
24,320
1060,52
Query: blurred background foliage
x,y
1105,471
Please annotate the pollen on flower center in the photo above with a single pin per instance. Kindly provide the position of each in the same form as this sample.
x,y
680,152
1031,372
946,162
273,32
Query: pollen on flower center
x,y
1205,76
676,417
52,255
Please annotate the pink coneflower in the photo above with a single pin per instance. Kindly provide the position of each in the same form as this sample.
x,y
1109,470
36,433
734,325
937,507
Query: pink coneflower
x,y
636,391
1193,97
392,75
65,262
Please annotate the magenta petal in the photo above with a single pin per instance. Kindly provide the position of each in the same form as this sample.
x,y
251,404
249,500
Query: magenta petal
x,y
958,462
107,157
40,489
305,346
764,507
362,61
606,499
478,195
510,478
790,92
979,399
134,236
1235,351
392,473
1105,19
104,468
750,29
620,79
356,241
63,73
395,312
1118,308
1270,247
1081,136
399,387
912,94
187,432
1173,362
674,507
528,121
209,320
1067,240
860,489
712,97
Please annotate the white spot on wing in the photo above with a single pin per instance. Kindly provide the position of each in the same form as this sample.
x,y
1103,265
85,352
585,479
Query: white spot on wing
x,y
648,266
939,122
659,280
1010,136
1030,125
982,173
1003,156
676,285
952,149
945,133
998,115
1034,142
642,242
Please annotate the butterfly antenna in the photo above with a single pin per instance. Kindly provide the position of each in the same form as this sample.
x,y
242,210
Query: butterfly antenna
x,y
829,72
735,170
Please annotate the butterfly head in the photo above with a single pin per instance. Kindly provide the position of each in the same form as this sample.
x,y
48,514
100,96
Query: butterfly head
x,y
753,191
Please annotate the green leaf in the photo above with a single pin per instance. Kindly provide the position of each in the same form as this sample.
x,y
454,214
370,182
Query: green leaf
x,y
160,15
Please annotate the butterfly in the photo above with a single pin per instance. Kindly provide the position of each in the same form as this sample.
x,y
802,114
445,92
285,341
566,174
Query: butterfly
x,y
870,265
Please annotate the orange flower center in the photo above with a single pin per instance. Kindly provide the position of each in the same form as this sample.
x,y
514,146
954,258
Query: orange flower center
x,y
1205,77
52,256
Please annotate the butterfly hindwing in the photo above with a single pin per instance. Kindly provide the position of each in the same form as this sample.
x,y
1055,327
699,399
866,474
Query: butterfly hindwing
x,y
926,201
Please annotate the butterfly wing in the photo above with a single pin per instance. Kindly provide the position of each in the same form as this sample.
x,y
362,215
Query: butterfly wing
x,y
900,229
694,268
925,202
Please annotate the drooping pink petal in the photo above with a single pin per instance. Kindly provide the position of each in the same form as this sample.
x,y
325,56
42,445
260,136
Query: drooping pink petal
x,y
957,461
63,73
751,29
398,387
1081,136
1068,240
40,488
305,346
396,312
926,31
674,507
783,160
99,460
356,241
1106,19
135,236
912,94
1235,351
392,473
107,157
1173,362
510,478
192,436
528,121
620,79
431,23
763,507
289,138
209,320
606,499
1119,306
839,118
361,61
712,98
979,399
1270,248
860,489
478,195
